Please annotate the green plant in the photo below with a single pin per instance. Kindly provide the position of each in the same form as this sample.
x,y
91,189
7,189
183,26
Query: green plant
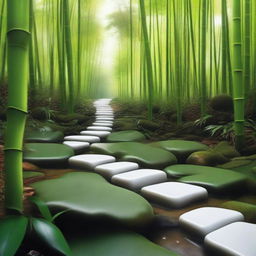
x,y
14,228
225,131
202,121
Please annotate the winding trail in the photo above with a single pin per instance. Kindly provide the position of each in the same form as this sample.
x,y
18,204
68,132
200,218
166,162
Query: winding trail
x,y
222,230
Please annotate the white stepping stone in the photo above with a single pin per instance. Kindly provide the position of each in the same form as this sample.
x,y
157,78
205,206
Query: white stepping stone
x,y
111,112
204,220
101,134
174,194
137,179
77,145
83,138
101,118
102,124
90,161
109,170
104,115
236,239
99,128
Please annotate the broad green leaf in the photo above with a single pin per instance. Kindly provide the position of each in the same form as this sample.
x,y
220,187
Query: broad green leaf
x,y
12,232
51,235
42,207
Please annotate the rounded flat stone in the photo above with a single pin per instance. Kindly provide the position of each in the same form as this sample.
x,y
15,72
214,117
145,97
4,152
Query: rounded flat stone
x,y
174,194
181,148
44,136
109,124
181,170
218,182
89,196
82,138
47,154
109,170
102,118
232,240
101,134
116,243
77,145
137,179
99,128
90,161
123,136
104,112
145,155
28,174
203,221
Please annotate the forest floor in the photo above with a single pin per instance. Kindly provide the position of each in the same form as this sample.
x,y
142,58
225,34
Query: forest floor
x,y
161,128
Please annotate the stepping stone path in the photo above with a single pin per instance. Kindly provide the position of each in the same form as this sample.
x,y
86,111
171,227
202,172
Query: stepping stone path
x,y
137,179
222,228
234,239
101,134
109,170
174,194
203,221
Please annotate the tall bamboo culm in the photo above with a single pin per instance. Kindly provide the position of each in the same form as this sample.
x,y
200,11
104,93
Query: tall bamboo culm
x,y
18,42
238,91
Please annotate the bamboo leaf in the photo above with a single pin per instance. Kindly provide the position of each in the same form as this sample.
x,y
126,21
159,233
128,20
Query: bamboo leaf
x,y
51,235
12,232
42,207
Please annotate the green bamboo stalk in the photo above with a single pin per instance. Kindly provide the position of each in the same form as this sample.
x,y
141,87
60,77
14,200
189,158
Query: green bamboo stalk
x,y
247,47
203,80
238,95
148,58
18,42
68,44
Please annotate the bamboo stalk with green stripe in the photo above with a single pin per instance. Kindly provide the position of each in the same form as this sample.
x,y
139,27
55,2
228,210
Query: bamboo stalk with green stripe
x,y
18,42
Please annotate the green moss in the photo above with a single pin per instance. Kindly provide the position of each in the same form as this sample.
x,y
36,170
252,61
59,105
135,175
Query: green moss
x,y
91,196
180,148
209,158
248,210
123,136
143,154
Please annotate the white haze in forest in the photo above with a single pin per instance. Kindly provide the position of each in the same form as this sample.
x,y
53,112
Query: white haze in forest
x,y
110,40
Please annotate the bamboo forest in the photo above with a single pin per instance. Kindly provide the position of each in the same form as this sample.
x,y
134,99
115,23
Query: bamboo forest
x,y
127,128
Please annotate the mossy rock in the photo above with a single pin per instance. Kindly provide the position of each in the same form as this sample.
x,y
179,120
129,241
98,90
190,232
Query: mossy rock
x,y
44,136
222,103
27,174
47,154
248,210
208,158
117,243
221,181
235,163
69,118
40,113
148,125
90,196
120,125
125,136
180,148
144,155
182,170
226,150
